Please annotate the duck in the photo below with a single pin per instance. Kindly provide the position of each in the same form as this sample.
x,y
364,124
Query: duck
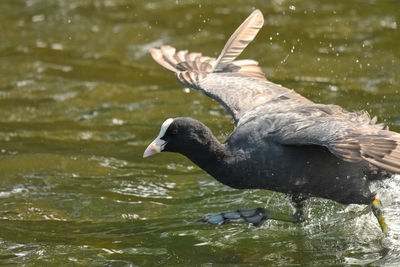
x,y
281,142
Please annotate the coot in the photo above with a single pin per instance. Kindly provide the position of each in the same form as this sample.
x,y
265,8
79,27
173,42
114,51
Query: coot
x,y
282,141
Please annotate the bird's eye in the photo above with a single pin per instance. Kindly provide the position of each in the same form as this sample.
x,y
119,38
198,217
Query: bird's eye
x,y
174,131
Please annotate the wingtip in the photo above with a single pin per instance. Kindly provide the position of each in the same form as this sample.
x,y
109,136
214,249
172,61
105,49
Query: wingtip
x,y
239,40
164,56
259,14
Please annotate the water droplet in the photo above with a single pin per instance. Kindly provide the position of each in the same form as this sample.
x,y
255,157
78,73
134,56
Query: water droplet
x,y
333,88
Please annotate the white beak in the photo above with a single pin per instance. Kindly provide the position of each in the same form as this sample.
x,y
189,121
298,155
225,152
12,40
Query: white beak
x,y
155,147
158,144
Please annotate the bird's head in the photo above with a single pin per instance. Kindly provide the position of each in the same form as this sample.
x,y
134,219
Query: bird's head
x,y
179,135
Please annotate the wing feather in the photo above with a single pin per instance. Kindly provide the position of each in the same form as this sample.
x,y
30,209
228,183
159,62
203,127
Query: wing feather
x,y
351,136
238,85
240,38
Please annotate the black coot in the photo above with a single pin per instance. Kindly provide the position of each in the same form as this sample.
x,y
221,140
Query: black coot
x,y
282,141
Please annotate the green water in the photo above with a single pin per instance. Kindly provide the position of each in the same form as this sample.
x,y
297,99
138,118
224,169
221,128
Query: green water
x,y
80,99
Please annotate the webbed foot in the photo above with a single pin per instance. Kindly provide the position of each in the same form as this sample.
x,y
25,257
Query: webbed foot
x,y
254,216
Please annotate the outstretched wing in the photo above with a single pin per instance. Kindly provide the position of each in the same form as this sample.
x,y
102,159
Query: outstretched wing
x,y
351,136
239,85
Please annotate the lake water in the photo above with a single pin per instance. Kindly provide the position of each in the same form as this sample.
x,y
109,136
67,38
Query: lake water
x,y
80,99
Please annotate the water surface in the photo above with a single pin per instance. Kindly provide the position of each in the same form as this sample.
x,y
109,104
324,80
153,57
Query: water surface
x,y
81,98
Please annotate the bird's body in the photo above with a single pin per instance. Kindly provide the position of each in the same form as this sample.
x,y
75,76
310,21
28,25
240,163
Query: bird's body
x,y
282,141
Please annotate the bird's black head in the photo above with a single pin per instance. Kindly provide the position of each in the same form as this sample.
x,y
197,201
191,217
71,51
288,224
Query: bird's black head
x,y
179,135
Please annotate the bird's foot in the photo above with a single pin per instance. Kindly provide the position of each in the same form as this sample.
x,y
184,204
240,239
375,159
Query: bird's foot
x,y
377,209
254,216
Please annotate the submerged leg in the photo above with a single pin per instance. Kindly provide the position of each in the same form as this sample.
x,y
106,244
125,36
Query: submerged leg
x,y
377,210
298,202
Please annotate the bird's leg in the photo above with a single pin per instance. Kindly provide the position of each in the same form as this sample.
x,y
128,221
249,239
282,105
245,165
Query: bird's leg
x,y
298,202
378,212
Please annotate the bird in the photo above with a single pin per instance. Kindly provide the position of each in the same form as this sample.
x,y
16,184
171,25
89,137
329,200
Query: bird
x,y
282,141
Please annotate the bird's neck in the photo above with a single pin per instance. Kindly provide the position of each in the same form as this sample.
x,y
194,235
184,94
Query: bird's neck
x,y
213,157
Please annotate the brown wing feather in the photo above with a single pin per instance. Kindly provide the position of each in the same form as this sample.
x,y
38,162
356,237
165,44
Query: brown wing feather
x,y
162,57
381,148
241,38
383,152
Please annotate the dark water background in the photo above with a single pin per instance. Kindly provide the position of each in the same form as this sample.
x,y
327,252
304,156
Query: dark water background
x,y
80,98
